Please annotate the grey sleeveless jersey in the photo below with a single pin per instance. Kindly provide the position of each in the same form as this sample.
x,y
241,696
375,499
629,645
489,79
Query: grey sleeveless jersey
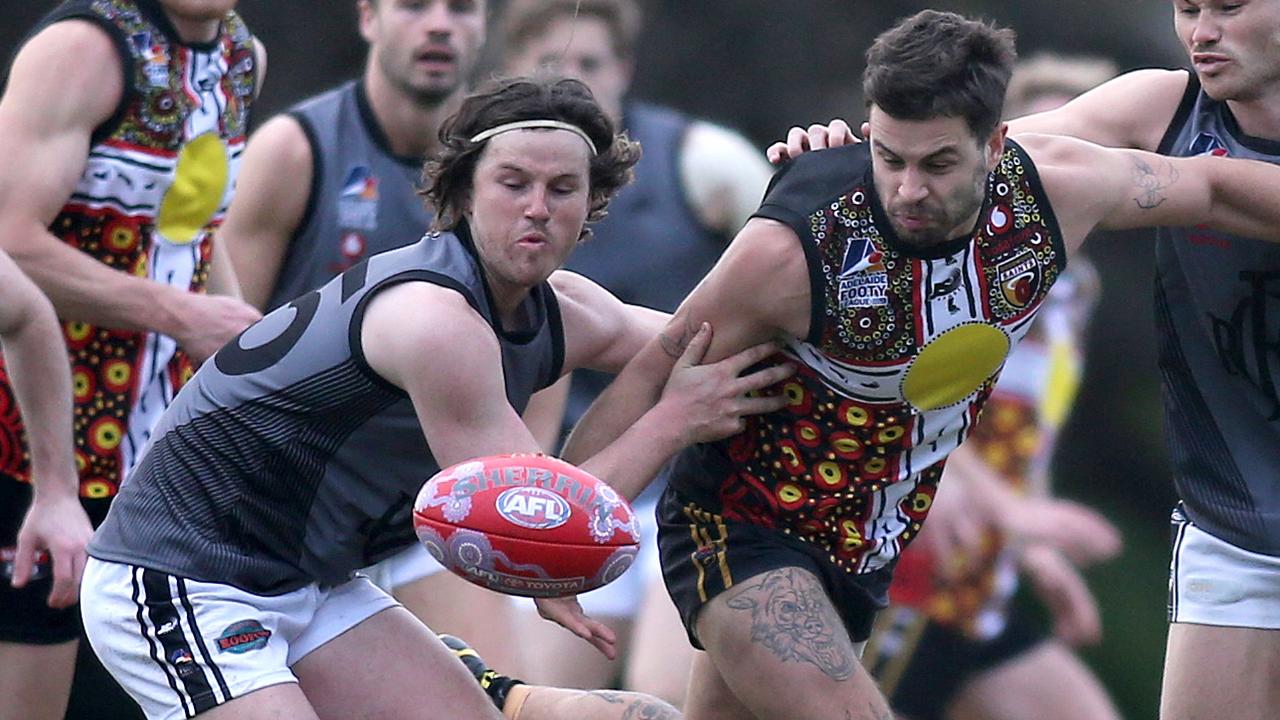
x,y
287,460
1218,318
363,198
651,249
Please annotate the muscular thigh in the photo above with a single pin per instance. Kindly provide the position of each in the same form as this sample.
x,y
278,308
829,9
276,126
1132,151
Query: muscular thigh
x,y
390,666
487,620
782,650
34,680
1215,671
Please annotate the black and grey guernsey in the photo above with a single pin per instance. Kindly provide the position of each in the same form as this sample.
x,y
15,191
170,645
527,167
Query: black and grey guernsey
x,y
1218,321
287,460
363,198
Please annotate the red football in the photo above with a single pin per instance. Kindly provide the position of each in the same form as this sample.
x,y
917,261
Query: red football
x,y
526,525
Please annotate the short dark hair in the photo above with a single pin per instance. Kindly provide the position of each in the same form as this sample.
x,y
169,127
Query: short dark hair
x,y
523,20
936,64
448,177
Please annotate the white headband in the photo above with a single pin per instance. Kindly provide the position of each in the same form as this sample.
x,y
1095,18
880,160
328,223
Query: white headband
x,y
527,124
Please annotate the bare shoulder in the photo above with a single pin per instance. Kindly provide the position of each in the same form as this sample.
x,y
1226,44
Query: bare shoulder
x,y
405,304
1054,150
81,61
585,306
765,246
1132,110
760,286
278,150
394,338
577,288
600,331
1145,86
281,140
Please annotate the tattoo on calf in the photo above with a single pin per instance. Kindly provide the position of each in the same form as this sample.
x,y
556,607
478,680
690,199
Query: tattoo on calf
x,y
1152,182
638,707
792,617
675,346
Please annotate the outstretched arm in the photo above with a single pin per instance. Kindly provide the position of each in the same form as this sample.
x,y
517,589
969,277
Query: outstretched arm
x,y
460,399
757,292
1130,111
601,333
1092,186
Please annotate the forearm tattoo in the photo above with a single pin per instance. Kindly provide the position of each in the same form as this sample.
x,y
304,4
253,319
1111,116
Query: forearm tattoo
x,y
637,707
792,617
674,346
1152,182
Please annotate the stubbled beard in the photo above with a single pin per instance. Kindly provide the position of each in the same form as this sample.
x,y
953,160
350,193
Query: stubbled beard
x,y
433,96
930,238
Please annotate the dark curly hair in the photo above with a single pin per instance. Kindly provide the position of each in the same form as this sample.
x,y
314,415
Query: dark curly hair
x,y
936,64
447,177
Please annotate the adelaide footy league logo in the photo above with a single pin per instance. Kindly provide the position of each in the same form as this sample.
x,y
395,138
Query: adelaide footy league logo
x,y
863,280
358,201
534,508
243,636
1019,279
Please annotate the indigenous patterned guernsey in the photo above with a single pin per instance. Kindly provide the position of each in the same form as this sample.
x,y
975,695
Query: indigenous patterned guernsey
x,y
157,182
287,460
904,347
1016,438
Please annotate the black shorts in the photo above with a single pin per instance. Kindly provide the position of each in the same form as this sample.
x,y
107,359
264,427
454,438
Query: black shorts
x,y
921,665
25,616
704,555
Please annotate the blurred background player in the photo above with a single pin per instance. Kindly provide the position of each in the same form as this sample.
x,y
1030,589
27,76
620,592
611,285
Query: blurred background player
x,y
696,184
952,644
354,155
121,126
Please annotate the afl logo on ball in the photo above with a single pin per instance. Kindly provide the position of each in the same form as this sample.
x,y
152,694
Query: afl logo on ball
x,y
533,508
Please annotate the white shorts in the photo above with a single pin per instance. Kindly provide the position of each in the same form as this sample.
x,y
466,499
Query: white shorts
x,y
182,647
1212,582
407,566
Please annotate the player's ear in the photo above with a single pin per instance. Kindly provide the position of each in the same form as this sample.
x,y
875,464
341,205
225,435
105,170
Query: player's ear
x,y
993,148
367,13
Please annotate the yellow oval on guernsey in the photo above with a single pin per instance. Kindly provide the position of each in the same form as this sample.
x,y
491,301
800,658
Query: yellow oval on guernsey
x,y
953,365
196,193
